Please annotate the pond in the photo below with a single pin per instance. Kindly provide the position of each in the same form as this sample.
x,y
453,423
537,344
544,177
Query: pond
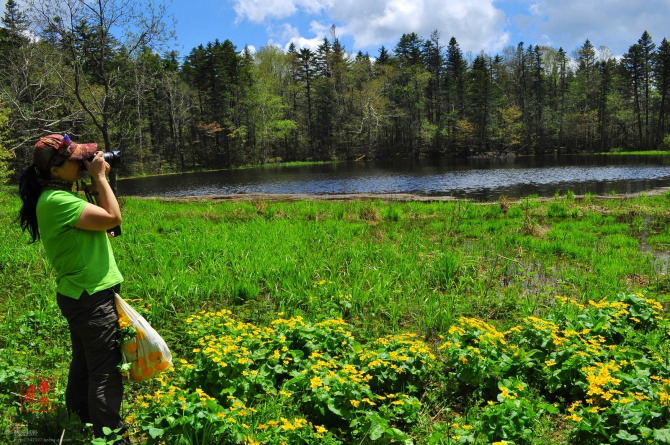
x,y
477,179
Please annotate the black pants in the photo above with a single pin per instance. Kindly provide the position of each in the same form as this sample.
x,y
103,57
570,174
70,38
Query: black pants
x,y
94,387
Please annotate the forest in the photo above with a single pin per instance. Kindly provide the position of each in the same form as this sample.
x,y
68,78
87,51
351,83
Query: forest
x,y
66,69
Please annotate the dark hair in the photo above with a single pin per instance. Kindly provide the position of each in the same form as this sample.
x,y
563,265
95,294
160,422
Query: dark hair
x,y
30,190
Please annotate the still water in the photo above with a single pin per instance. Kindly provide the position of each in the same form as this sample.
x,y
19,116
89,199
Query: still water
x,y
478,179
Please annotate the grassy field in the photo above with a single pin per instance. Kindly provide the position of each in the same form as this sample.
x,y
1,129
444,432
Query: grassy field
x,y
638,153
385,270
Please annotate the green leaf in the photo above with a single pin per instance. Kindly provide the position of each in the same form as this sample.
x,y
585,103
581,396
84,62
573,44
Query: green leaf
x,y
376,431
466,374
551,409
662,436
378,426
106,431
334,409
625,435
155,432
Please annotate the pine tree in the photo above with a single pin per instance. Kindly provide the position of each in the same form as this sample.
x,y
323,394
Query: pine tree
x,y
633,64
587,84
563,86
15,25
456,68
479,100
662,78
606,70
307,76
383,58
408,50
647,52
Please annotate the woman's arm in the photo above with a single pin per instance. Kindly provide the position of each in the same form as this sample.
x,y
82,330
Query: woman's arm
x,y
106,214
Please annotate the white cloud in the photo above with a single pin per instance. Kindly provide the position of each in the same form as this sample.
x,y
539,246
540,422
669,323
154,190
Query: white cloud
x,y
615,23
261,10
476,24
282,32
285,32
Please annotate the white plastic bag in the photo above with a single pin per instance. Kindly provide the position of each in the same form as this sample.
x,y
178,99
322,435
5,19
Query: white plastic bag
x,y
147,353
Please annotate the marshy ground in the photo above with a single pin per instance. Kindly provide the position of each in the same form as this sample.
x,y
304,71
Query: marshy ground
x,y
384,265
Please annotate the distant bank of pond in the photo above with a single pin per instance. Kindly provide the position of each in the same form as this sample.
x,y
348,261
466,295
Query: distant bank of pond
x,y
478,179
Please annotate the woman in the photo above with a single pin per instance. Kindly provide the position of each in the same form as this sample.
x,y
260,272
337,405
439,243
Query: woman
x,y
77,246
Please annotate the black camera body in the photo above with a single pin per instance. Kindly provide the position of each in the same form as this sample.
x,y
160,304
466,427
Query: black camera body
x,y
113,158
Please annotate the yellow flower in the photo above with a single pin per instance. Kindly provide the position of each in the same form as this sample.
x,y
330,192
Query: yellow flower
x,y
506,394
315,382
355,403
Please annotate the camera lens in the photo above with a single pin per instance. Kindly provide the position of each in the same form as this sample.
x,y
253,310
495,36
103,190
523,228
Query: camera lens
x,y
113,158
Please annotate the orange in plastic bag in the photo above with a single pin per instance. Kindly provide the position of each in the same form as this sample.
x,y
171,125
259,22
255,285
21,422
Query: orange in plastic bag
x,y
147,353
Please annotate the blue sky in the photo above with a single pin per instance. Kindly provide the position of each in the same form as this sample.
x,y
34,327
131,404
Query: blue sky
x,y
478,25
487,25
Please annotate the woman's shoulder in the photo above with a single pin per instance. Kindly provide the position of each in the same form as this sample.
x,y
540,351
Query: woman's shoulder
x,y
58,198
59,195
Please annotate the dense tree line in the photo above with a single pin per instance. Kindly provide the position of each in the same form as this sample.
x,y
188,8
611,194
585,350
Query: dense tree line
x,y
222,106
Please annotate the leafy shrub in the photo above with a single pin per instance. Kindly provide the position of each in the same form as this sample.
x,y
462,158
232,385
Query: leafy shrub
x,y
582,354
317,370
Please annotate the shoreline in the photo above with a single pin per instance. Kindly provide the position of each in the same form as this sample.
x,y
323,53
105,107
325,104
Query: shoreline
x,y
390,197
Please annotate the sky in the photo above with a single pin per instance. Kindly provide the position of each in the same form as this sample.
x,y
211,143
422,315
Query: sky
x,y
366,25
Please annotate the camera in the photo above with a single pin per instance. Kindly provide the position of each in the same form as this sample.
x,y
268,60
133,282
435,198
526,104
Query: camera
x,y
113,158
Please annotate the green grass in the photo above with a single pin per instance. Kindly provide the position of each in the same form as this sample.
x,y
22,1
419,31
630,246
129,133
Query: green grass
x,y
637,153
411,267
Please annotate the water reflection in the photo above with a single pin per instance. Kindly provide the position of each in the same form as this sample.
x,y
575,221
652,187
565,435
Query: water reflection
x,y
481,179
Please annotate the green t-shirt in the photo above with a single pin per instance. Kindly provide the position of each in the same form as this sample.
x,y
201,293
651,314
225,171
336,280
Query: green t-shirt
x,y
83,259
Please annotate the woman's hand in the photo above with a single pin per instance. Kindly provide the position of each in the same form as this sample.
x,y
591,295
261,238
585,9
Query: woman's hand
x,y
98,168
106,214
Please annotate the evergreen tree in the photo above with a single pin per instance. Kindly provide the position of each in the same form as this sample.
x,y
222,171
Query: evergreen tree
x,y
633,62
662,79
14,27
479,100
434,60
383,58
456,69
563,86
606,70
647,51
408,50
307,75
